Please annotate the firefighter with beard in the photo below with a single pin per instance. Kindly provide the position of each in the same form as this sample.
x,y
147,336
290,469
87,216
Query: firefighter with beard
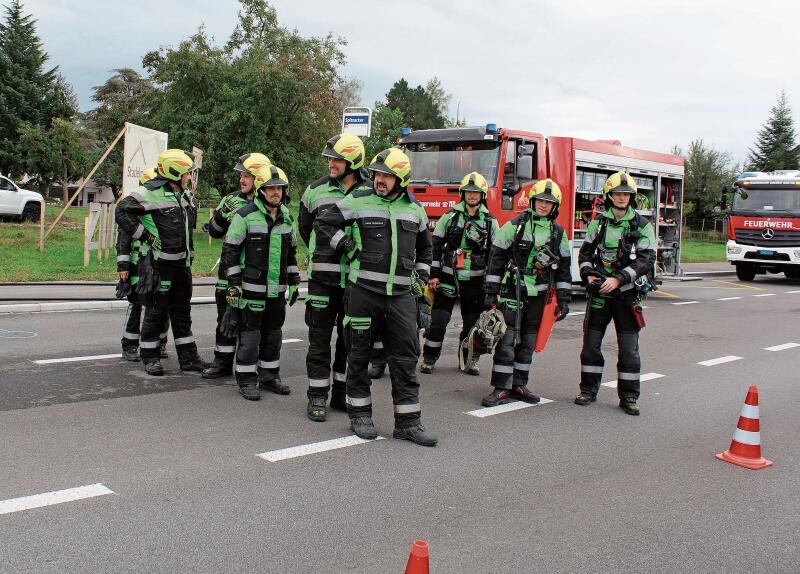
x,y
389,248
127,269
530,256
225,343
616,265
159,215
260,259
461,242
327,274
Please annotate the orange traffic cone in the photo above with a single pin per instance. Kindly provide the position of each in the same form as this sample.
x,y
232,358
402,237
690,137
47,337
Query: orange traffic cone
x,y
745,447
418,558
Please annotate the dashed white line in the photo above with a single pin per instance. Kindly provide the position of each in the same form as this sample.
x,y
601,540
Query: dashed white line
x,y
292,341
685,303
782,347
765,295
571,313
795,291
55,497
719,360
313,448
728,298
642,378
508,407
76,359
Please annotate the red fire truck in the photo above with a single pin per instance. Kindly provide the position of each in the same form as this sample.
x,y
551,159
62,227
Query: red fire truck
x,y
764,224
512,160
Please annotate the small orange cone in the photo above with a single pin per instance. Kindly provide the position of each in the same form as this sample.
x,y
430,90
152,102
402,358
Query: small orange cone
x,y
745,447
418,558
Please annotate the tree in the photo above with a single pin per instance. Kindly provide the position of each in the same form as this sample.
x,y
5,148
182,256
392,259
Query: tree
x,y
418,107
708,171
28,93
386,125
775,145
58,153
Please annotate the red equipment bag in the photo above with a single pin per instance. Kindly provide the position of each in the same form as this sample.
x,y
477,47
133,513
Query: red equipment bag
x,y
548,320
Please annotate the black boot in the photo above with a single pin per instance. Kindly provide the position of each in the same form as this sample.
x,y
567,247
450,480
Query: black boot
x,y
194,364
153,367
497,397
363,426
522,393
376,370
585,398
316,410
218,369
427,366
275,385
250,391
416,434
130,353
629,406
338,394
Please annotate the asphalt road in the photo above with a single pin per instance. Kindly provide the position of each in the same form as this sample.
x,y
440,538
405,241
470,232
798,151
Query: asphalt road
x,y
552,488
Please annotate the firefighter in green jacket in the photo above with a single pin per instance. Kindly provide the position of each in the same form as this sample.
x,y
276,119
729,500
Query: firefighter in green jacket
x,y
530,256
260,259
225,343
389,249
616,264
461,242
159,214
327,274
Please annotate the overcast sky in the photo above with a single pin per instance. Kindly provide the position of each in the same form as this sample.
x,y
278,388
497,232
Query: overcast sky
x,y
652,73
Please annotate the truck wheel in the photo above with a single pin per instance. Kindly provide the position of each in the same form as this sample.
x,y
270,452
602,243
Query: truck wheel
x,y
793,273
745,272
31,212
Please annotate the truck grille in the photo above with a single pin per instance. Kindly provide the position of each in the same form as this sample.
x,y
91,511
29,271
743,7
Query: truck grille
x,y
782,238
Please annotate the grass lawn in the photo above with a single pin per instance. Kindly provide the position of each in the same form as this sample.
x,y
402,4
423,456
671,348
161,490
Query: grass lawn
x,y
62,259
695,251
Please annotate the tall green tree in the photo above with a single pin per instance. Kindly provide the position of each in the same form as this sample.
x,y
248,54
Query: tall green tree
x,y
29,93
420,110
708,172
775,146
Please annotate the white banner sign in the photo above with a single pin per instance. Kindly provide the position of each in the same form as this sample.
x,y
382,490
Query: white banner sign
x,y
142,146
357,121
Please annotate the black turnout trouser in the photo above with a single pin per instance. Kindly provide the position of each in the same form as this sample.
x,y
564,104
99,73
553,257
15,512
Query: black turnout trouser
x,y
133,321
471,300
324,311
511,365
172,303
224,347
600,311
259,352
394,320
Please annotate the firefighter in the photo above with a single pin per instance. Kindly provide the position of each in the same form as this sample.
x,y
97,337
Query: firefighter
x,y
260,262
461,242
389,250
225,343
530,256
616,265
127,269
327,274
159,215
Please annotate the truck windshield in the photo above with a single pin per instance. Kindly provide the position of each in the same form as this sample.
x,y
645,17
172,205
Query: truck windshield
x,y
769,200
448,162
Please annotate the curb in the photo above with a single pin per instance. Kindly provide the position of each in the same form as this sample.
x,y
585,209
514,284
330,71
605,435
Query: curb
x,y
80,306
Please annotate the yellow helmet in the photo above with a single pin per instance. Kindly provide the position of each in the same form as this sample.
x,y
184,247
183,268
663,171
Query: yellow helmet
x,y
269,176
619,182
147,175
394,162
250,162
173,163
348,147
546,190
474,182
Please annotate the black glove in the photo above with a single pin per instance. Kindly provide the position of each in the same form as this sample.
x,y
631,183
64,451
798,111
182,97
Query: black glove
x,y
229,326
351,252
152,241
149,279
423,314
490,301
294,293
204,228
562,309
123,288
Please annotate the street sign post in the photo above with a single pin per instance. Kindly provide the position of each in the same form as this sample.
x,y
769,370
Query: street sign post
x,y
357,121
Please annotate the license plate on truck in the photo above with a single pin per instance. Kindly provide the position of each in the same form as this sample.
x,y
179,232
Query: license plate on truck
x,y
766,252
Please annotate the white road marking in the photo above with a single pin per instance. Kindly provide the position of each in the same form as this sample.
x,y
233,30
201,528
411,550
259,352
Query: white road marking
x,y
765,295
685,303
508,407
313,448
719,360
796,291
76,359
292,341
782,347
55,497
728,298
644,377
571,313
